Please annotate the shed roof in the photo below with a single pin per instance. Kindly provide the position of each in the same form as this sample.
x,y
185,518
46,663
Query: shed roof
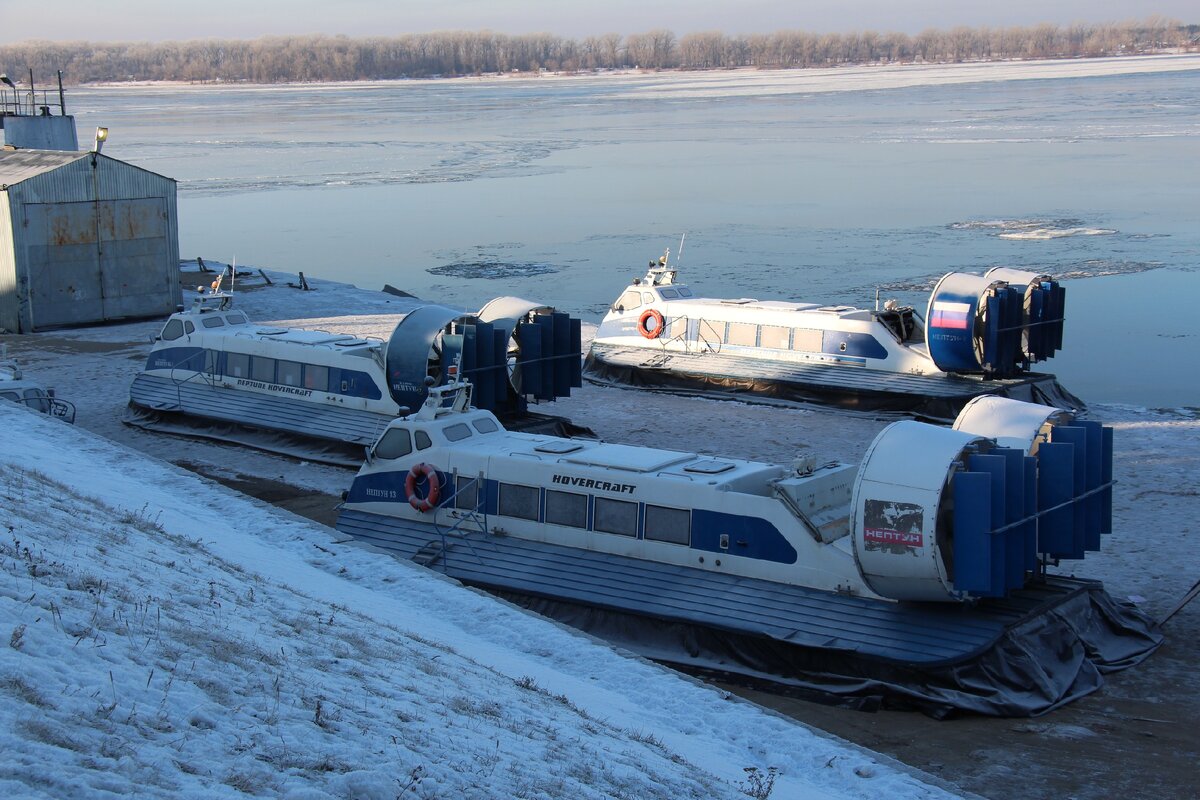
x,y
19,165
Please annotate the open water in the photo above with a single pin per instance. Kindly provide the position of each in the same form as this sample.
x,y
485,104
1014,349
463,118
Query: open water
x,y
805,186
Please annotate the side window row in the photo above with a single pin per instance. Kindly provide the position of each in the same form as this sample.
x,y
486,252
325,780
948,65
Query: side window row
x,y
290,373
570,509
776,337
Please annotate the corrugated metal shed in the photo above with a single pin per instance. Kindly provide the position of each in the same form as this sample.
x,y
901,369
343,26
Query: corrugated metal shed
x,y
84,238
20,165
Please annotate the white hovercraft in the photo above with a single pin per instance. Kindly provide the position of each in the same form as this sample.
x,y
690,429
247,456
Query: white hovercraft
x,y
980,336
833,558
285,387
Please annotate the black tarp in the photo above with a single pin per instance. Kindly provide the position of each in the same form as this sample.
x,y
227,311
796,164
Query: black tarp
x,y
1040,663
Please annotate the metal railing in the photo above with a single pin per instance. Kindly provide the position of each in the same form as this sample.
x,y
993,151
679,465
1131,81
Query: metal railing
x,y
43,402
477,517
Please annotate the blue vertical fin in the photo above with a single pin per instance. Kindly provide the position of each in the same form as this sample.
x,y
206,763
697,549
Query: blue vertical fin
x,y
501,386
576,353
562,354
1095,474
1014,511
1106,476
994,467
1077,436
1029,531
972,533
1056,486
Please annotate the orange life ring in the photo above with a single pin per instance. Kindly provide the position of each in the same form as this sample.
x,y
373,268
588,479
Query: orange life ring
x,y
646,330
430,475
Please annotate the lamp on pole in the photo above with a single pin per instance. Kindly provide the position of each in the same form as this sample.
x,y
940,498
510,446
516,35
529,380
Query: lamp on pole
x,y
8,82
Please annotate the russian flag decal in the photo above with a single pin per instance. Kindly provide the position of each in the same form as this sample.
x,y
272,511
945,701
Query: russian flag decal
x,y
949,315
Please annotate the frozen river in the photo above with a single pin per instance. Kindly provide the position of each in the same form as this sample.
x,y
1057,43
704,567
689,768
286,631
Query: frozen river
x,y
806,185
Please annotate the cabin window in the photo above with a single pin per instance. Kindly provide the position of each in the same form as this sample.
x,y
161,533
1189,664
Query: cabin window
x,y
237,365
774,336
668,294
519,501
807,340
212,362
189,328
647,298
36,399
672,525
466,493
212,322
677,327
423,440
289,373
316,377
13,396
457,432
630,300
743,333
684,291
395,443
172,330
485,425
262,369
566,508
616,516
236,318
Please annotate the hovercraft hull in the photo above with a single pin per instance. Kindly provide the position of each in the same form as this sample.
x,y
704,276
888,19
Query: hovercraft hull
x,y
848,387
1039,648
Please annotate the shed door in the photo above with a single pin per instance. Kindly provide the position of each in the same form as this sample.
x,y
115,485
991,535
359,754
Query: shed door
x,y
96,261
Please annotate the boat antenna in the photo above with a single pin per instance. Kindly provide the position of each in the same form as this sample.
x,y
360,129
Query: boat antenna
x,y
679,253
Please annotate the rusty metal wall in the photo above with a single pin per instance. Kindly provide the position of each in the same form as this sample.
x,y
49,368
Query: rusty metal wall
x,y
97,240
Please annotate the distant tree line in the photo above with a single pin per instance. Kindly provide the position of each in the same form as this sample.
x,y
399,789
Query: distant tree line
x,y
289,59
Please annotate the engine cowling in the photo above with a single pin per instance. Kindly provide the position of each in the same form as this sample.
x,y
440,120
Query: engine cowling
x,y
974,511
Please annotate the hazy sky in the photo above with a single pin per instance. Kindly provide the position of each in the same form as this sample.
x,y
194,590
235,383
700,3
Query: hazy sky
x,y
155,20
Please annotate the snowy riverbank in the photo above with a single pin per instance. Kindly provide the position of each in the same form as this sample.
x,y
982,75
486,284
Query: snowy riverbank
x,y
169,637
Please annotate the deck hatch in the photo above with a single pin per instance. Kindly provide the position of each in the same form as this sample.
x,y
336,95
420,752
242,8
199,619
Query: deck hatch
x,y
627,457
559,448
709,467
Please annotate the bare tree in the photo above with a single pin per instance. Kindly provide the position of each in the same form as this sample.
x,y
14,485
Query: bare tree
x,y
280,59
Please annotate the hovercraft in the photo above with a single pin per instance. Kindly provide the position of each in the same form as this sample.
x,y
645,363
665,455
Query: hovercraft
x,y
212,372
980,335
925,575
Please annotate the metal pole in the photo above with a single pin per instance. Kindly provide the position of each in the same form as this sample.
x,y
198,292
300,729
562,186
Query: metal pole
x,y
62,98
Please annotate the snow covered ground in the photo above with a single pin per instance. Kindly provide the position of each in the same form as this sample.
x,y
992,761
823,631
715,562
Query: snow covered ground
x,y
170,638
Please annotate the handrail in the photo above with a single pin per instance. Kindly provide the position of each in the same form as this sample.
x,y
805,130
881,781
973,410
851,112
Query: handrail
x,y
707,342
178,382
798,513
45,403
477,515
372,342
